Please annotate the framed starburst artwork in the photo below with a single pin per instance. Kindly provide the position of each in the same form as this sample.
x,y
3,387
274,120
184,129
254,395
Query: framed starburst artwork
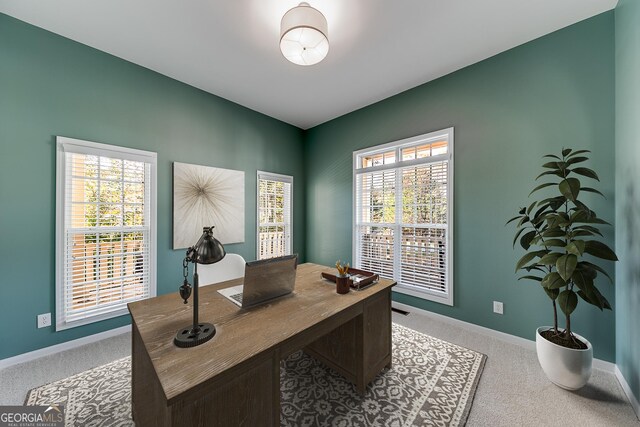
x,y
205,196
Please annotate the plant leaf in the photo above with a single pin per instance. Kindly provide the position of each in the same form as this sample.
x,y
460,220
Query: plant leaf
x,y
526,239
591,190
580,215
552,172
588,298
575,153
589,228
590,293
552,293
595,220
581,233
570,188
536,278
553,232
530,208
541,186
581,279
550,258
515,239
526,258
523,220
554,165
580,206
513,219
586,172
574,160
552,156
553,281
594,268
541,209
566,151
551,200
603,300
555,242
557,203
568,301
600,250
576,247
565,265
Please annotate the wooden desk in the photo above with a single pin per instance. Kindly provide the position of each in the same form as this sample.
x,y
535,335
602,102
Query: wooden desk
x,y
234,379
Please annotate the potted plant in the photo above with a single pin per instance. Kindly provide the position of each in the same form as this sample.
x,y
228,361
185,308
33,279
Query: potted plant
x,y
557,233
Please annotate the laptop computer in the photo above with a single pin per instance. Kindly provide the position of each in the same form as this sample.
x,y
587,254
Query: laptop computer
x,y
264,280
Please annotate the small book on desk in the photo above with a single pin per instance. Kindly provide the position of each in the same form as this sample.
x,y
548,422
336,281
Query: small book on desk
x,y
358,279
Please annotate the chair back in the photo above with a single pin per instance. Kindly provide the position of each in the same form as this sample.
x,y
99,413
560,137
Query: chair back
x,y
230,267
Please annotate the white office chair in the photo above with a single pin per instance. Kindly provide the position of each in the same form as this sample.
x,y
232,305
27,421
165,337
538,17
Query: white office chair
x,y
231,267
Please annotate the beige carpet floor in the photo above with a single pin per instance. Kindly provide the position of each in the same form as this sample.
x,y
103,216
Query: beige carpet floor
x,y
512,391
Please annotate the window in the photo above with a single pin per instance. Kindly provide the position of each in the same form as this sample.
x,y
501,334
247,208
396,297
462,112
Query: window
x,y
106,230
274,215
403,211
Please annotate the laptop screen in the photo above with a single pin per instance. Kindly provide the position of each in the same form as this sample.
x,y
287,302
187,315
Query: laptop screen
x,y
268,279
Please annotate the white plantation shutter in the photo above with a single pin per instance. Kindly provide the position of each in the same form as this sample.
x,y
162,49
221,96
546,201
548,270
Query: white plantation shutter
x,y
376,200
424,227
105,230
376,248
403,212
274,215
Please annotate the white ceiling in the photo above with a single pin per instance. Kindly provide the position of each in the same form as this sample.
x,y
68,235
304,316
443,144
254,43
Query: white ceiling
x,y
378,48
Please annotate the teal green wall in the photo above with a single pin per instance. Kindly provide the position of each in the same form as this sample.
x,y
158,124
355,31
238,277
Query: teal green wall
x,y
52,86
507,111
627,16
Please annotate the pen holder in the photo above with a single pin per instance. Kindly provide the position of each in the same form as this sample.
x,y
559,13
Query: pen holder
x,y
342,284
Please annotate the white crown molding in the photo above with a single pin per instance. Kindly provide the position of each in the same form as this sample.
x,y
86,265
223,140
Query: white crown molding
x,y
57,348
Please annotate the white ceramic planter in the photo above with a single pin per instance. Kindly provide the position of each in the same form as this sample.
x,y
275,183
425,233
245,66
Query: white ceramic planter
x,y
565,367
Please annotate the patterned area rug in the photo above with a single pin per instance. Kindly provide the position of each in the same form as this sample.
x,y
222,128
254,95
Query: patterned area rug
x,y
431,383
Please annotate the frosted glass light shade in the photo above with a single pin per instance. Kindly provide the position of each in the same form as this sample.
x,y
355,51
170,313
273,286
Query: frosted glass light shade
x,y
303,35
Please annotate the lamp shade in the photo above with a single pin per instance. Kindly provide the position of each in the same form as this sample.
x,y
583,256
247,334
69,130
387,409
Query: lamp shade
x,y
208,248
303,35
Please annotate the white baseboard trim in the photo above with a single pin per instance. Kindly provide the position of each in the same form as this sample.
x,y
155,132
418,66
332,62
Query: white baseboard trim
x,y
627,390
57,348
600,364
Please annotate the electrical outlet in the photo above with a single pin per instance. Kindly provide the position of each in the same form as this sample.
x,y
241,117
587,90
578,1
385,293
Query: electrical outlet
x,y
44,320
497,307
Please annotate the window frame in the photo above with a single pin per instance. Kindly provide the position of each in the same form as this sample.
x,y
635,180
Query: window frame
x,y
273,177
448,134
64,145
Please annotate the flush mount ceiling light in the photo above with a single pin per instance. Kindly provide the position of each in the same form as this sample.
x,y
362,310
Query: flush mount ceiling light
x,y
303,35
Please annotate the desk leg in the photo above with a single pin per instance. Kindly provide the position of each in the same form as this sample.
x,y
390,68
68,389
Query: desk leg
x,y
377,335
376,338
360,348
148,405
276,388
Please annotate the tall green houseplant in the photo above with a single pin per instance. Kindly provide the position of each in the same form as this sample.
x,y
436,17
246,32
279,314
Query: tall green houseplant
x,y
557,233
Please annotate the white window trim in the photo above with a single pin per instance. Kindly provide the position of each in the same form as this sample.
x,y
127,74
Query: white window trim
x,y
398,145
64,144
273,177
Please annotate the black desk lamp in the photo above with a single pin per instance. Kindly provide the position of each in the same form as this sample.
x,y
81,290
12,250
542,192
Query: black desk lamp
x,y
208,250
